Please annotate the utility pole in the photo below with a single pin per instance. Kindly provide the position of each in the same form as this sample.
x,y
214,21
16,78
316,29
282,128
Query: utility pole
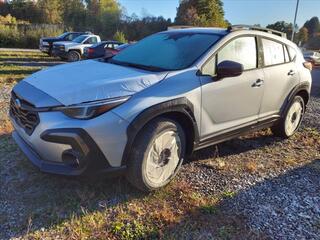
x,y
295,21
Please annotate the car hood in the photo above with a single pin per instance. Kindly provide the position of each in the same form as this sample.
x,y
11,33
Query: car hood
x,y
92,80
50,39
67,43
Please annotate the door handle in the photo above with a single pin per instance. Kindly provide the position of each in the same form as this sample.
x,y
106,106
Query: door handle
x,y
258,83
291,73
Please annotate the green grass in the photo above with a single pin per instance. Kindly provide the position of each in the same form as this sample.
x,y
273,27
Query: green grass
x,y
10,74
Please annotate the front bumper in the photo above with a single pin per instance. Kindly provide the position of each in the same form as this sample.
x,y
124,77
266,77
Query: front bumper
x,y
61,145
44,49
59,53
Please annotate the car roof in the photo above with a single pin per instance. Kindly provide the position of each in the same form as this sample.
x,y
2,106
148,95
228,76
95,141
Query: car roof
x,y
195,30
89,35
225,32
110,41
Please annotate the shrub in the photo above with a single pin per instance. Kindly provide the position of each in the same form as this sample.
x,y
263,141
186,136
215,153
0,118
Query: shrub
x,y
26,35
119,36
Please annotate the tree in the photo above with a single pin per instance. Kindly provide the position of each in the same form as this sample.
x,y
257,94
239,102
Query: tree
x,y
22,10
110,13
303,35
74,14
103,16
282,26
136,28
313,26
51,11
207,13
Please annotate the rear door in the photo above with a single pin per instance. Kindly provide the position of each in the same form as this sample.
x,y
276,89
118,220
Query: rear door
x,y
234,102
281,77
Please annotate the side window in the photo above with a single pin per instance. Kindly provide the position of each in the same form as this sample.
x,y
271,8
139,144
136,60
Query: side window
x,y
286,54
273,52
292,53
242,50
91,40
210,67
74,35
69,37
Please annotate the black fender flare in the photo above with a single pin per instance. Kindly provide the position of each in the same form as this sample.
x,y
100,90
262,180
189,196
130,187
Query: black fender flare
x,y
178,105
300,87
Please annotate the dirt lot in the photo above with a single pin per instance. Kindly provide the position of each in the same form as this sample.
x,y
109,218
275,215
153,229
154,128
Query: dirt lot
x,y
254,187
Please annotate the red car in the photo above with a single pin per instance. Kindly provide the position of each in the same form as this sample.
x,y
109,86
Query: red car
x,y
98,50
109,52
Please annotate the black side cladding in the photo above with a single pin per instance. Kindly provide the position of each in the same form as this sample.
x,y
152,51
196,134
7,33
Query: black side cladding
x,y
90,156
179,105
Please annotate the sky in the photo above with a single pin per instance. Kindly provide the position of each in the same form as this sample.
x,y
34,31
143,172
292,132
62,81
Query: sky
x,y
236,11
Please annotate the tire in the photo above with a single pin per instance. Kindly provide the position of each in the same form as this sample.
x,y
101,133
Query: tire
x,y
153,165
291,120
74,56
50,52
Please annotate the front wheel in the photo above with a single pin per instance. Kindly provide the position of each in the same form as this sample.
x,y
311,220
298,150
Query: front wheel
x,y
157,155
291,120
74,56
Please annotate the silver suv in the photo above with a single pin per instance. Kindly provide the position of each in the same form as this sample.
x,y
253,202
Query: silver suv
x,y
143,111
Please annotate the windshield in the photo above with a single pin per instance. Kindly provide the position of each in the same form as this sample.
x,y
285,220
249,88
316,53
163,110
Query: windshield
x,y
122,46
98,44
79,39
63,35
167,51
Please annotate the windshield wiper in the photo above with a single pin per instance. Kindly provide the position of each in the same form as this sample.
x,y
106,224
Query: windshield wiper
x,y
135,65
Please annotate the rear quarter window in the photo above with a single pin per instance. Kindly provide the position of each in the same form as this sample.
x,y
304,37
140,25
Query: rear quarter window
x,y
273,52
292,53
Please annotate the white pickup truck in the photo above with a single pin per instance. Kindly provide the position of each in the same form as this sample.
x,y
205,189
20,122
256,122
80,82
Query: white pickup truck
x,y
73,51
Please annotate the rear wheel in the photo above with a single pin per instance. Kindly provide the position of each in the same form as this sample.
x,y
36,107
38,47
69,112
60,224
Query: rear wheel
x,y
74,56
157,154
291,121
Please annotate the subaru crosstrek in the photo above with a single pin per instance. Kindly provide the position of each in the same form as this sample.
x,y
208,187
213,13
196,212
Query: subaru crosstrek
x,y
143,111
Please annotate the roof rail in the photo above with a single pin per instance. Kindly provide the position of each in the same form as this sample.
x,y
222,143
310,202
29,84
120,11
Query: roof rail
x,y
250,27
180,27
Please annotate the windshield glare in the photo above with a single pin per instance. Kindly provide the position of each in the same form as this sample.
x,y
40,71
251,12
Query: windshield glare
x,y
63,35
168,50
79,39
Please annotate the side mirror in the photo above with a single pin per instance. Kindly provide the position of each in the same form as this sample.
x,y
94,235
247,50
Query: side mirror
x,y
229,69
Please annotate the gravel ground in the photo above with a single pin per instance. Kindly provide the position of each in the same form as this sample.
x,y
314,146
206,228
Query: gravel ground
x,y
4,100
274,184
279,193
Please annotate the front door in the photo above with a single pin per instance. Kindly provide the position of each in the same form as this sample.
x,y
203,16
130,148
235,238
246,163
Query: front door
x,y
234,102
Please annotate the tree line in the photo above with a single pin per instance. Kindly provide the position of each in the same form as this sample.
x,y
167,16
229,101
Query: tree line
x,y
108,17
308,35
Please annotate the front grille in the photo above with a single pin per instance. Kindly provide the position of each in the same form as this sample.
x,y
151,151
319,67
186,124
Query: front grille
x,y
58,47
21,113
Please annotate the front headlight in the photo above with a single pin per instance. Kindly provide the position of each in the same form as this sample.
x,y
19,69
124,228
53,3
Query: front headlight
x,y
45,43
91,109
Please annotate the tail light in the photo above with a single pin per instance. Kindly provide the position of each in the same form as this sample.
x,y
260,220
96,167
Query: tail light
x,y
308,65
90,51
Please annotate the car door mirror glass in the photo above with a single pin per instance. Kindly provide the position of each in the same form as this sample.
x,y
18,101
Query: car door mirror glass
x,y
229,69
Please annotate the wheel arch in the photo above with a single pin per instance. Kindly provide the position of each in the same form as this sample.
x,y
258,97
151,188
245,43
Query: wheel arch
x,y
302,90
180,110
304,94
75,50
